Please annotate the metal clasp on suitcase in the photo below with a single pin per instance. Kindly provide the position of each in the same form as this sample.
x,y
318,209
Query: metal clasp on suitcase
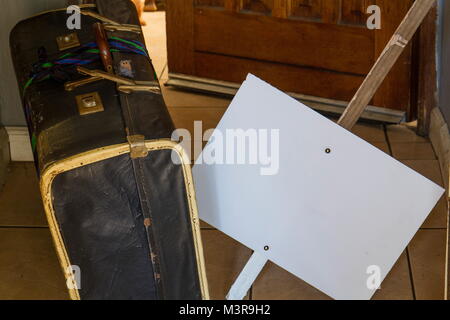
x,y
89,103
124,85
137,146
68,41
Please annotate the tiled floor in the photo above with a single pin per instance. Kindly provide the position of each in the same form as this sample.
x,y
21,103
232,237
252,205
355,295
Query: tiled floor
x,y
29,268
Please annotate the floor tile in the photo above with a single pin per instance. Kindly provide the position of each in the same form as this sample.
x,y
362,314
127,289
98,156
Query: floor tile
x,y
370,132
155,38
402,133
438,217
397,284
427,255
29,268
427,168
204,225
225,258
413,151
184,118
20,199
274,283
383,146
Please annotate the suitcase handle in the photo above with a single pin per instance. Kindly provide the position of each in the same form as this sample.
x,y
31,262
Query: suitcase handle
x,y
124,85
103,46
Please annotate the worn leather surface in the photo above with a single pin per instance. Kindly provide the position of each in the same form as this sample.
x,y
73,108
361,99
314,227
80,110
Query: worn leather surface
x,y
99,214
103,226
166,192
98,207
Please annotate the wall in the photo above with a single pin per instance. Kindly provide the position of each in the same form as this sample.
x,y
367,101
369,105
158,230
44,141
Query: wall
x,y
444,64
11,12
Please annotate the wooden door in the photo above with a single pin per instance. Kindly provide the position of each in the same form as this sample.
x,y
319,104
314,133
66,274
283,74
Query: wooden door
x,y
320,48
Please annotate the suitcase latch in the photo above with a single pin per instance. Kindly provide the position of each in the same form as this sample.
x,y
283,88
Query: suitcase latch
x,y
68,41
89,103
137,146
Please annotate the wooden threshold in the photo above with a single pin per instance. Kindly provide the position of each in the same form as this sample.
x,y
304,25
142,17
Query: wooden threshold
x,y
322,105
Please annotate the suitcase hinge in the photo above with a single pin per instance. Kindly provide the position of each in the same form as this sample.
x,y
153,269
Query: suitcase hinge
x,y
137,146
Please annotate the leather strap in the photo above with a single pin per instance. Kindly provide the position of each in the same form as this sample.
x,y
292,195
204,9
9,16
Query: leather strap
x,y
125,13
103,46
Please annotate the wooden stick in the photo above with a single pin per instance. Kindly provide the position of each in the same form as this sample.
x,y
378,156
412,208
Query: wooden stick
x,y
247,277
385,62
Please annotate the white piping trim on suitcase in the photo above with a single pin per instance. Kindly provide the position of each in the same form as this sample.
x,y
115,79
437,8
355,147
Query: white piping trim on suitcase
x,y
93,156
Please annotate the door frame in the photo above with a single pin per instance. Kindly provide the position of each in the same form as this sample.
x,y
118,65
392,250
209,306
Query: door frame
x,y
427,79
419,73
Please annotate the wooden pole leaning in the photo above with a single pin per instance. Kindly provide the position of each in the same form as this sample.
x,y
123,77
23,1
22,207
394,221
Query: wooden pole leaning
x,y
385,62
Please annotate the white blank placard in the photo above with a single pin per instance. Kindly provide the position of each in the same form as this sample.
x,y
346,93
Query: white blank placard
x,y
325,217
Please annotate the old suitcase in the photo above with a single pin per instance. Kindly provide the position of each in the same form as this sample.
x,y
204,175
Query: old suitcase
x,y
120,204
